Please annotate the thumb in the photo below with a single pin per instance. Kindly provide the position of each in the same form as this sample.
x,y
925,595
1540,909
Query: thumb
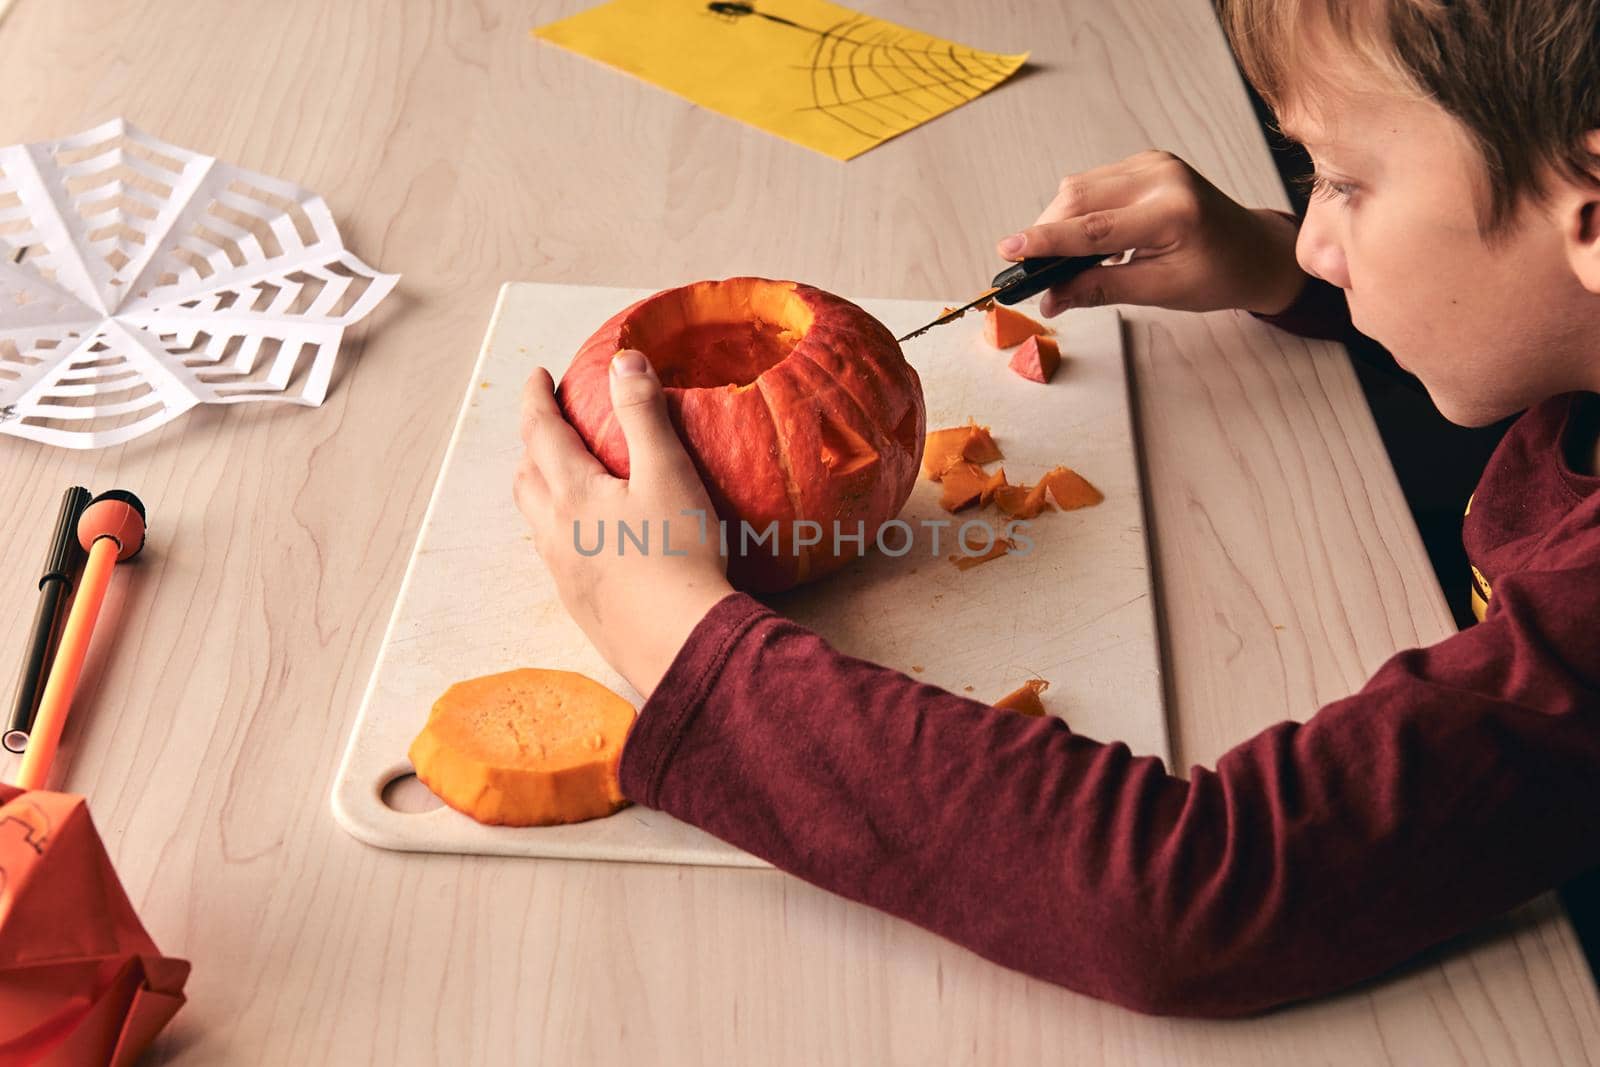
x,y
640,406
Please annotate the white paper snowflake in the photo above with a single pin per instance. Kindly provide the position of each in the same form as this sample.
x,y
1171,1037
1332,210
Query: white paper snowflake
x,y
138,279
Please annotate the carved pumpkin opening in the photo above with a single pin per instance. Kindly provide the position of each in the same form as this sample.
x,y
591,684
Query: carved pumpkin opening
x,y
844,451
722,333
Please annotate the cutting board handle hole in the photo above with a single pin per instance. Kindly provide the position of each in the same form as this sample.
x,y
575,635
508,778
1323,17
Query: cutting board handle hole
x,y
404,793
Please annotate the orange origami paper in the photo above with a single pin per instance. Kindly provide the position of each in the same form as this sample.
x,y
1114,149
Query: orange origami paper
x,y
81,983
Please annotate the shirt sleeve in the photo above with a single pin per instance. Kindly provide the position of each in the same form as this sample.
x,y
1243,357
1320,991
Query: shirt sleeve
x,y
1458,783
1320,311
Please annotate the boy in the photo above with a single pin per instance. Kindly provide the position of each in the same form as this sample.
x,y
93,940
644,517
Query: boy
x,y
1457,217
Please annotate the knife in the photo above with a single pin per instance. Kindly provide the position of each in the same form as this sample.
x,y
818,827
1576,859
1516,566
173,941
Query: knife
x,y
1021,280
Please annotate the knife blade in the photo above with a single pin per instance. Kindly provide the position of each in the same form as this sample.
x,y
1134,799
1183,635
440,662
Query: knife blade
x,y
1022,280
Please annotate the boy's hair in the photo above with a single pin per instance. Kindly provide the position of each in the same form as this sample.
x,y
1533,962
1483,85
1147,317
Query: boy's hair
x,y
1523,76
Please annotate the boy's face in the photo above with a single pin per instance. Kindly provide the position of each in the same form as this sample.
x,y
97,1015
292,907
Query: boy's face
x,y
1489,331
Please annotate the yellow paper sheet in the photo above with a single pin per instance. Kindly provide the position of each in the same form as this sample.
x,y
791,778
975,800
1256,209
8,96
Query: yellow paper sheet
x,y
812,72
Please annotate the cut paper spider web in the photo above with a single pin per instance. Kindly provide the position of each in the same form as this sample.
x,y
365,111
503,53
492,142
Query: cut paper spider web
x,y
810,71
138,279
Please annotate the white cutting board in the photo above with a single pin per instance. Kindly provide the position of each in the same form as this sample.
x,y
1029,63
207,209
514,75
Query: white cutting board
x,y
1077,611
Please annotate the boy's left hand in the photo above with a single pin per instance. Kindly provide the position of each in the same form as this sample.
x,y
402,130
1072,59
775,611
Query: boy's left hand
x,y
637,607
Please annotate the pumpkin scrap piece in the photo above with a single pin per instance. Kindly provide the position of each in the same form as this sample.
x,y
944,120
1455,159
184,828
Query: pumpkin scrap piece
x,y
943,451
946,448
964,485
1022,501
996,482
1001,547
1037,359
1025,701
980,446
1004,328
1070,490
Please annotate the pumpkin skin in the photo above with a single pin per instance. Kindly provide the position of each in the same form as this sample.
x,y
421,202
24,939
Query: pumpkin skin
x,y
793,403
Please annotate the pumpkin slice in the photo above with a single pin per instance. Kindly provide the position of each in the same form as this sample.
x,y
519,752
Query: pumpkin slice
x,y
1001,547
1004,328
1070,490
525,748
980,446
995,483
964,486
945,448
942,451
1022,501
1037,359
1026,700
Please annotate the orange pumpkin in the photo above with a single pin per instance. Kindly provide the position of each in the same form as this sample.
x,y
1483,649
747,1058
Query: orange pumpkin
x,y
795,405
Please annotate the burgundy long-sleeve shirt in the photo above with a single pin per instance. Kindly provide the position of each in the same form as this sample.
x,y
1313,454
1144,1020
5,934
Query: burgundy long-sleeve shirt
x,y
1460,781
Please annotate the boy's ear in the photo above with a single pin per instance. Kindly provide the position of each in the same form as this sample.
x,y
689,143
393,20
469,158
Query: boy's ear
x,y
1583,225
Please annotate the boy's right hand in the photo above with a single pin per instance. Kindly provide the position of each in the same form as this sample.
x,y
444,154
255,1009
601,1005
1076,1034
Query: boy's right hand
x,y
1197,250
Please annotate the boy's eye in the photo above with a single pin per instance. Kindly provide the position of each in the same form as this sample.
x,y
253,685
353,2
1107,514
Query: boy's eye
x,y
1321,186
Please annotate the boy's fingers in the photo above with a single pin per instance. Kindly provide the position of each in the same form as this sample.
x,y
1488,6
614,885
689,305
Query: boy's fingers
x,y
641,409
529,490
1134,282
552,444
535,391
1080,194
1143,224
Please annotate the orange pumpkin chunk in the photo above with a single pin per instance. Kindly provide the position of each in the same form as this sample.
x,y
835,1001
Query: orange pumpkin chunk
x,y
995,483
1004,328
1070,490
1000,548
1025,700
946,448
1037,359
525,748
963,487
980,446
1022,501
942,451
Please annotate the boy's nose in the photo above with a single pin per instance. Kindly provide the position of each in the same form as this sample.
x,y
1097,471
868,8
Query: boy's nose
x,y
1319,253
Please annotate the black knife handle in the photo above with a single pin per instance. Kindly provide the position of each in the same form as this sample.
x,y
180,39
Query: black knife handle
x,y
1033,276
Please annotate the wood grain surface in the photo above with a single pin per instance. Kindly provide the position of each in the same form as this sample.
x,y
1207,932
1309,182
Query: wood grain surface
x,y
457,151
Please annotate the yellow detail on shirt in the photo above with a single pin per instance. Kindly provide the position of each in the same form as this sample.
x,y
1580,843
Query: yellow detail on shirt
x,y
1481,592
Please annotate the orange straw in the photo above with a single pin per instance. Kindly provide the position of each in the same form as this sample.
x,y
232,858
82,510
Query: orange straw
x,y
111,529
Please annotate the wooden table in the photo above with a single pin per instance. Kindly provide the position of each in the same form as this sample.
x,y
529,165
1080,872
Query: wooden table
x,y
455,150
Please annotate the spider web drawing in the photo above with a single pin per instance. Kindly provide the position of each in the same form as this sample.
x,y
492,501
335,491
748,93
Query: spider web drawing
x,y
885,82
811,71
